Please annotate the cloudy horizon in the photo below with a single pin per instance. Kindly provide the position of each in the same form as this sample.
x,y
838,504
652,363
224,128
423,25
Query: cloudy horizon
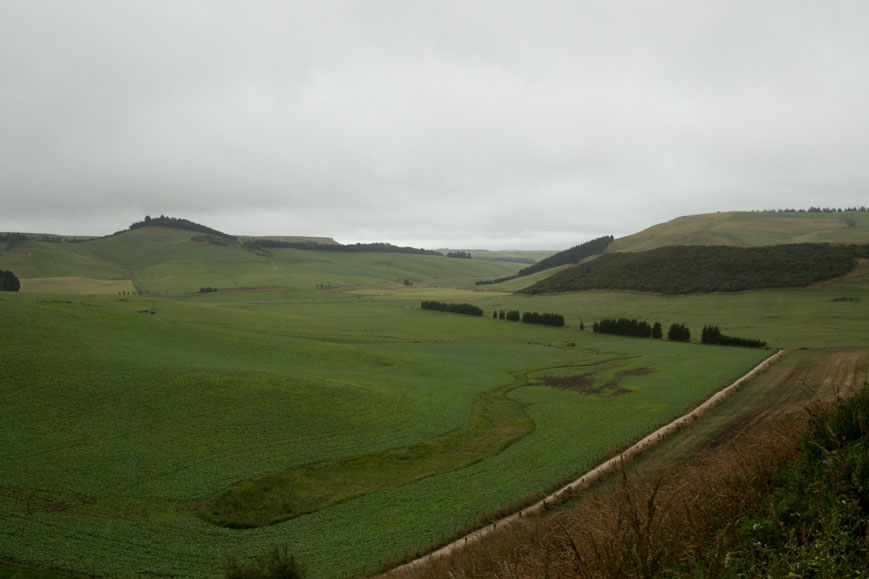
x,y
489,125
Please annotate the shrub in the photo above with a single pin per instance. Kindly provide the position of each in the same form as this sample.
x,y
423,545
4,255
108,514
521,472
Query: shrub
x,y
9,282
679,333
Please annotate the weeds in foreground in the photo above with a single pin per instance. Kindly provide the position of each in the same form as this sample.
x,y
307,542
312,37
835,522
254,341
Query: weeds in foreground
x,y
790,500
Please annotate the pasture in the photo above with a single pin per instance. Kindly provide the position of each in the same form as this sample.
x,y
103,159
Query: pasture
x,y
125,420
118,423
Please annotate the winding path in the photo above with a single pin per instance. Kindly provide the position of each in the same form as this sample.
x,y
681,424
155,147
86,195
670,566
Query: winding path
x,y
599,472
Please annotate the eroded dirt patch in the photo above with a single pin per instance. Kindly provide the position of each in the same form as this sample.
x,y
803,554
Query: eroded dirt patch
x,y
588,383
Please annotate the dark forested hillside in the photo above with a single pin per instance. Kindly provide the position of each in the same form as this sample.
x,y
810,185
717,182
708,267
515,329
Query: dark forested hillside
x,y
573,255
692,269
178,223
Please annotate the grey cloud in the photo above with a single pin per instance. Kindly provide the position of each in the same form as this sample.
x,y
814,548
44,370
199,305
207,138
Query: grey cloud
x,y
448,124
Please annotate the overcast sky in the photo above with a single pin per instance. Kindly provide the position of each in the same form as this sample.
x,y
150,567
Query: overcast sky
x,y
454,124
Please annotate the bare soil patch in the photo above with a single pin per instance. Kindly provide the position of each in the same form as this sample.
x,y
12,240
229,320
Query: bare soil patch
x,y
587,382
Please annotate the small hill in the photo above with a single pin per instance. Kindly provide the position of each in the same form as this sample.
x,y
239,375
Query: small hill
x,y
696,269
751,229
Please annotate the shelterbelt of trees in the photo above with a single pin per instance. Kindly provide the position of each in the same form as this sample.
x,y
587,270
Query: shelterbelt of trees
x,y
695,269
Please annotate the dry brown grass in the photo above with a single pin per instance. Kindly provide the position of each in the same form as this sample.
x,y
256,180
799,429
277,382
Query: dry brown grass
x,y
679,514
640,526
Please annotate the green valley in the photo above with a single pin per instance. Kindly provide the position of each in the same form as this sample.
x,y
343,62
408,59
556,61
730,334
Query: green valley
x,y
150,428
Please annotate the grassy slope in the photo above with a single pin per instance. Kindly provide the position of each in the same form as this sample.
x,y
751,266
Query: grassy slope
x,y
161,259
746,229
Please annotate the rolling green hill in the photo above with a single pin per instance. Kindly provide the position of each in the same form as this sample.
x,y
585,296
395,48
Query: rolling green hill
x,y
750,229
162,259
124,416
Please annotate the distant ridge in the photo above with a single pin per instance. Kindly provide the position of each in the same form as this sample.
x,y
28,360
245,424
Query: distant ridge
x,y
752,229
289,239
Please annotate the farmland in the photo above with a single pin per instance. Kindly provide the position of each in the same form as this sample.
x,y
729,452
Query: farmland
x,y
122,415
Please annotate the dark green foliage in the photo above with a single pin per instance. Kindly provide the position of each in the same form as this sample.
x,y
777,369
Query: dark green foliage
x,y
814,524
354,248
513,316
502,315
814,210
213,240
275,564
12,239
656,330
178,223
679,333
9,282
712,335
467,309
624,327
493,281
556,320
204,290
691,269
459,254
573,255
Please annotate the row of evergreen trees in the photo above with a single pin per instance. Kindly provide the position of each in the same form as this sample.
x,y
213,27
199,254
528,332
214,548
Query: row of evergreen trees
x,y
641,329
378,247
510,315
545,319
814,210
8,281
712,335
556,320
679,333
459,254
628,327
467,309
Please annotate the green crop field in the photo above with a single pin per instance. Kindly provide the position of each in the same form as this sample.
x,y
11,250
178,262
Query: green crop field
x,y
124,417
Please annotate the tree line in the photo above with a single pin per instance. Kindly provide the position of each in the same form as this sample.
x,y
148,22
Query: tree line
x,y
573,255
556,320
641,329
379,247
813,210
467,309
628,327
712,335
459,254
